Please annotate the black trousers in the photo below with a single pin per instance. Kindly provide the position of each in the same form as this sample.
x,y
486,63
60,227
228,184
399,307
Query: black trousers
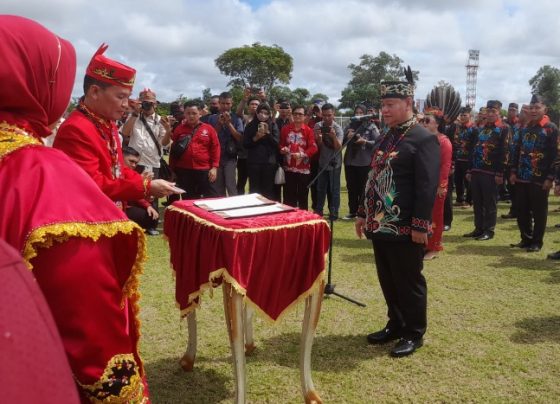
x,y
399,269
261,179
195,183
314,170
511,190
140,216
532,212
356,178
485,199
448,204
242,175
296,191
462,186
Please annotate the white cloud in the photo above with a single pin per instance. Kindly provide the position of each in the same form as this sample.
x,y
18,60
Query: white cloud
x,y
173,44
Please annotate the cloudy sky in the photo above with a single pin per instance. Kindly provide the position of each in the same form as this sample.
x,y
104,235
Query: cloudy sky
x,y
173,43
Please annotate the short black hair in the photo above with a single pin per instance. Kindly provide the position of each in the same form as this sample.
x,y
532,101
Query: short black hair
x,y
130,151
90,81
327,106
225,95
192,103
298,106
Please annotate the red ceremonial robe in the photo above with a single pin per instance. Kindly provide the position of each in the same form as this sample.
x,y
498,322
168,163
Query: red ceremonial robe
x,y
84,253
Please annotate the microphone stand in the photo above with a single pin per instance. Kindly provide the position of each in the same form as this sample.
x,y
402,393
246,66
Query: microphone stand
x,y
329,287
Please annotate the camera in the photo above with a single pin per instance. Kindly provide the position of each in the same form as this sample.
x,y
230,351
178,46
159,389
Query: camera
x,y
146,105
325,130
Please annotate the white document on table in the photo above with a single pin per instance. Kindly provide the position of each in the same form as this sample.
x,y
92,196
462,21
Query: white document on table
x,y
233,202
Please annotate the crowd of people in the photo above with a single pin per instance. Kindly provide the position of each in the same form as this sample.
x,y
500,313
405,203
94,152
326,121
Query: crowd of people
x,y
215,150
400,167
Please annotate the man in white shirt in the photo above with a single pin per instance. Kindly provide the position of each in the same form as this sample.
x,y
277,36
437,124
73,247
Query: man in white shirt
x,y
147,132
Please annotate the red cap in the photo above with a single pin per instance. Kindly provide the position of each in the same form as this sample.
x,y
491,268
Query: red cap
x,y
110,71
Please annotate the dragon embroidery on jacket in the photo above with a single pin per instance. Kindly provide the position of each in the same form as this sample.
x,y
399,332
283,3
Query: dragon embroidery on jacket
x,y
381,183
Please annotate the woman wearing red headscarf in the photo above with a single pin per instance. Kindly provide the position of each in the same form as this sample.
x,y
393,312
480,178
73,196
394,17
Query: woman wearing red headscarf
x,y
83,251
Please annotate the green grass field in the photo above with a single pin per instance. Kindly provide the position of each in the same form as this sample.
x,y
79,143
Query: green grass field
x,y
493,330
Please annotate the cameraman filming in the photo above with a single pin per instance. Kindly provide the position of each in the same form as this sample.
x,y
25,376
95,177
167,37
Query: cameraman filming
x,y
329,137
359,138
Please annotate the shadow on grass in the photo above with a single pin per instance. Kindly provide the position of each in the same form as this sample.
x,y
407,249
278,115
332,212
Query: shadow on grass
x,y
168,383
521,262
482,249
554,276
537,329
330,353
353,243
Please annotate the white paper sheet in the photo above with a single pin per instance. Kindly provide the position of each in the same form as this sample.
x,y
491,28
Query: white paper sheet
x,y
233,202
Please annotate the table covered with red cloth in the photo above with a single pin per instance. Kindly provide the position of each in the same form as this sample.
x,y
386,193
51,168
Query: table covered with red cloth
x,y
274,260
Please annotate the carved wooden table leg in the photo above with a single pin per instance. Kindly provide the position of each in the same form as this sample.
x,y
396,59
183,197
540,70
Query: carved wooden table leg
x,y
233,307
248,322
187,361
310,320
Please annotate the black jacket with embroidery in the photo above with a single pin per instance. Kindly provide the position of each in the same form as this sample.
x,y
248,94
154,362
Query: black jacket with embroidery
x,y
489,153
536,150
402,183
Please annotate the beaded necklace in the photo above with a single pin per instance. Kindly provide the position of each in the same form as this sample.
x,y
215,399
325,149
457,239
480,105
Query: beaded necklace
x,y
388,144
110,139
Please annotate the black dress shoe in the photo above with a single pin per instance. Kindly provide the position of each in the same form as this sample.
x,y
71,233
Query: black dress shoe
x,y
534,248
554,256
446,227
382,336
484,237
521,244
406,347
474,233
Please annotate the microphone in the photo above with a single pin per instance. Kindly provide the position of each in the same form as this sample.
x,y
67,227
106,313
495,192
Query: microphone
x,y
361,118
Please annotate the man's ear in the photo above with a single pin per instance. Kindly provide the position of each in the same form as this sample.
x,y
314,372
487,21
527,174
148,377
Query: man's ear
x,y
94,91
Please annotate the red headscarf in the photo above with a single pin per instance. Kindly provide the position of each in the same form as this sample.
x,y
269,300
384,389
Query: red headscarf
x,y
37,74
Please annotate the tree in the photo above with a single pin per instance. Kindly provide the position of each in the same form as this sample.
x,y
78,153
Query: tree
x,y
367,76
206,95
256,66
547,83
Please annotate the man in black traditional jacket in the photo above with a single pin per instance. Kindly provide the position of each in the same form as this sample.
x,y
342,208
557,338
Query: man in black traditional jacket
x,y
396,215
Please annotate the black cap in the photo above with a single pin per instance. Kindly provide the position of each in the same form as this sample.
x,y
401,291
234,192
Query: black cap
x,y
537,99
285,105
513,105
465,110
494,104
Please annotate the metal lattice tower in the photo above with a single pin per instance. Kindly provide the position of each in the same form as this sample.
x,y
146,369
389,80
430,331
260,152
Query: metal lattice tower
x,y
472,68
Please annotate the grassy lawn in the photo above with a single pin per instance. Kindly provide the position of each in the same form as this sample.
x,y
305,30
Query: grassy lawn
x,y
493,330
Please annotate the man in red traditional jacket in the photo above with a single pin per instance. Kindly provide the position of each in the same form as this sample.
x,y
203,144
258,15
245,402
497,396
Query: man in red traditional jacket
x,y
90,136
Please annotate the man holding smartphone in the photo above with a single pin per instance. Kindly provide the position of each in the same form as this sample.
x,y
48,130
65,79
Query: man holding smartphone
x,y
329,137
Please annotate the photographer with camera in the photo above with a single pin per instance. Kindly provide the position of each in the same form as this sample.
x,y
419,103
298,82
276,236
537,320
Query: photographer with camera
x,y
329,137
252,98
261,140
148,133
229,127
359,136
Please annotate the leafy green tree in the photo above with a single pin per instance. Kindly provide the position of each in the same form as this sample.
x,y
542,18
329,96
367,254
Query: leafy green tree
x,y
367,76
547,83
256,66
206,95
321,96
